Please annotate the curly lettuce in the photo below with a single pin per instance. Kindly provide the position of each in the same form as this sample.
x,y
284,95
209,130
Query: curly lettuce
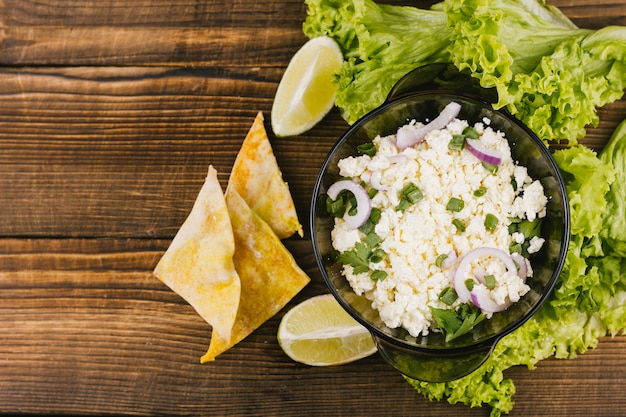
x,y
614,223
549,73
586,304
380,43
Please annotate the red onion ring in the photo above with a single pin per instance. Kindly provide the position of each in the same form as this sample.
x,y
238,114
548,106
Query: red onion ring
x,y
363,203
486,155
411,137
481,299
522,267
482,252
375,178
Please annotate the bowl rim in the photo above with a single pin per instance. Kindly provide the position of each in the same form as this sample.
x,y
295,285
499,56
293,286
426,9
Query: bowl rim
x,y
492,340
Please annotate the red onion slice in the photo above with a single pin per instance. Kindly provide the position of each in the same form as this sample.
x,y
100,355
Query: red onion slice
x,y
450,259
363,203
486,155
522,267
481,299
375,178
406,137
482,252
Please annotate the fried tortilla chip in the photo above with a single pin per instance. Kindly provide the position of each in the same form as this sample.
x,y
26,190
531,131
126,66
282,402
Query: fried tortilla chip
x,y
198,265
257,178
270,276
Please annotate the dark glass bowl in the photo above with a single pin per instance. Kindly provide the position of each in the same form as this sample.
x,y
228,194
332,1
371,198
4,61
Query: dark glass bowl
x,y
430,358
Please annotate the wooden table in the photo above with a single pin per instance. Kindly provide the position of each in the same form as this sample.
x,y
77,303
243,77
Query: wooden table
x,y
110,113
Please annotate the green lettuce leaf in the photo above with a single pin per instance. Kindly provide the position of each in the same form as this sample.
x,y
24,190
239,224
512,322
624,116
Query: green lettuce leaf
x,y
381,43
549,73
614,231
559,98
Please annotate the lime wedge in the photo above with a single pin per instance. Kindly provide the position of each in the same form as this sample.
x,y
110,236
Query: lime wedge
x,y
319,332
306,93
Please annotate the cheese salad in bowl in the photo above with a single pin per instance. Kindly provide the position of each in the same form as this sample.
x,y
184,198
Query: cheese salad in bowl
x,y
441,225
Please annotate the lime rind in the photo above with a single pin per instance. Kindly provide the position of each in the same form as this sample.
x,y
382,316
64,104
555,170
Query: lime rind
x,y
318,332
306,92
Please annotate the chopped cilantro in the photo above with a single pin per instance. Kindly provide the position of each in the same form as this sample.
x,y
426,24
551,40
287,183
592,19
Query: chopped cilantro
x,y
456,323
357,258
364,253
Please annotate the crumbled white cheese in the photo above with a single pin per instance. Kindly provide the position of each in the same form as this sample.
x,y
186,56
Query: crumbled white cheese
x,y
413,239
536,243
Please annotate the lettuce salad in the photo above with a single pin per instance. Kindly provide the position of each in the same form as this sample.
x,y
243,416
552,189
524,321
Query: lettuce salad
x,y
551,75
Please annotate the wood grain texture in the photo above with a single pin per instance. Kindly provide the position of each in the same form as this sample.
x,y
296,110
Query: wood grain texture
x,y
86,329
110,113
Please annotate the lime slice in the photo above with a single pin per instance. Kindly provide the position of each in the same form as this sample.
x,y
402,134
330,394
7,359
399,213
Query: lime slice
x,y
319,332
306,93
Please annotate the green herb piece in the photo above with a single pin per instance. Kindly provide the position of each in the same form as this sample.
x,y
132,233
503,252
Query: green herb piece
x,y
490,167
368,227
372,240
491,222
410,194
460,227
490,281
350,202
457,143
402,205
448,296
447,320
363,254
378,275
335,208
530,229
367,149
469,284
470,132
357,258
455,204
440,259
453,323
377,256
516,248
480,192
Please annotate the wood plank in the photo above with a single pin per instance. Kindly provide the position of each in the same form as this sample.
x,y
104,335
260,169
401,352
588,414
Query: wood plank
x,y
122,152
108,152
86,329
188,32
126,32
